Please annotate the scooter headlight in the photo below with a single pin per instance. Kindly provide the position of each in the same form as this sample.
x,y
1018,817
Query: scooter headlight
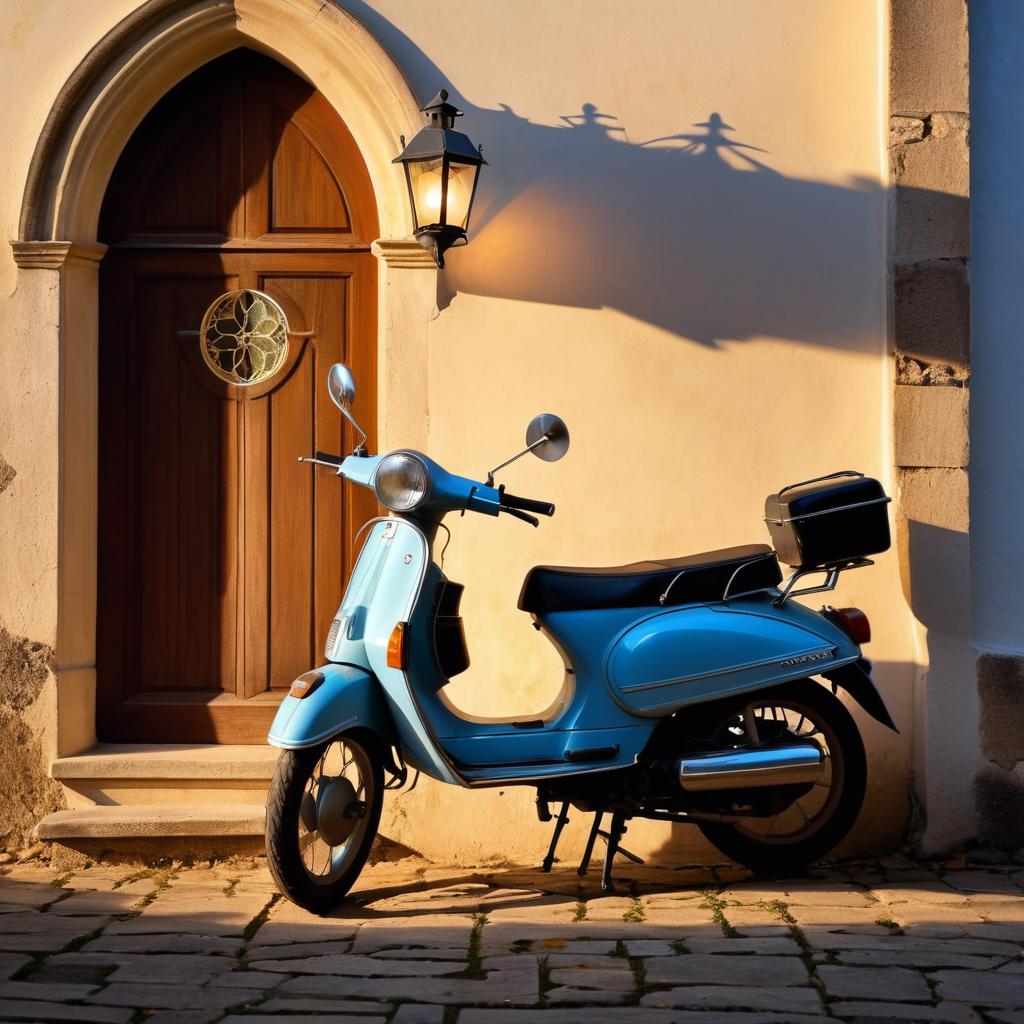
x,y
402,482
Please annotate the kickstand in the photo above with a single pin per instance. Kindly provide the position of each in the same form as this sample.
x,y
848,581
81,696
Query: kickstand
x,y
614,838
560,823
589,849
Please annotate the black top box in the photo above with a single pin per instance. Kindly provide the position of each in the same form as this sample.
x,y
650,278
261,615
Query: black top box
x,y
835,518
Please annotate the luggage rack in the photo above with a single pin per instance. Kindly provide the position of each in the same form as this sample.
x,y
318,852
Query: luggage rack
x,y
831,571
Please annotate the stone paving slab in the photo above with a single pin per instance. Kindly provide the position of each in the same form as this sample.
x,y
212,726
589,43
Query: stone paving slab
x,y
48,991
16,1009
881,1012
280,1004
632,1015
775,998
421,944
173,997
726,969
360,966
891,984
514,988
11,963
327,1018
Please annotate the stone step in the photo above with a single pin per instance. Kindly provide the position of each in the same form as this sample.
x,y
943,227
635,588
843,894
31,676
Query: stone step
x,y
157,761
126,774
152,821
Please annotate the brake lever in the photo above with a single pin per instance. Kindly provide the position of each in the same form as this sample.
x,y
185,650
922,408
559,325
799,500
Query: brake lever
x,y
525,516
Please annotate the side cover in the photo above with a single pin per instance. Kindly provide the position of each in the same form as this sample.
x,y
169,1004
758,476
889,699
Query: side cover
x,y
703,652
349,697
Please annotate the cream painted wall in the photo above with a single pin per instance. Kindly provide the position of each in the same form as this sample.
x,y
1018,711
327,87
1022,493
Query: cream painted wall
x,y
711,328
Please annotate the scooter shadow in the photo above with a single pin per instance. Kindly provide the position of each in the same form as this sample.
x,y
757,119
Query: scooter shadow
x,y
403,890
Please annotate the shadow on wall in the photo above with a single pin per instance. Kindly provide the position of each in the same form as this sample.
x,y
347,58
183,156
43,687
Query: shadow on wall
x,y
692,232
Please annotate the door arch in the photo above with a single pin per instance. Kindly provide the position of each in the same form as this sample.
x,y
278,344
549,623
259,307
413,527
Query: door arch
x,y
220,557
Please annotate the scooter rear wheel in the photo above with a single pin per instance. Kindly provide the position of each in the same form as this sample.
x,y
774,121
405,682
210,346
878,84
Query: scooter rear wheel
x,y
814,824
323,810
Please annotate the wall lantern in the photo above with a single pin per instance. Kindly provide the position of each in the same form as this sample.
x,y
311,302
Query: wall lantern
x,y
442,168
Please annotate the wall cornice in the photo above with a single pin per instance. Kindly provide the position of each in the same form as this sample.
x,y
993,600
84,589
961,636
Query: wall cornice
x,y
48,255
405,253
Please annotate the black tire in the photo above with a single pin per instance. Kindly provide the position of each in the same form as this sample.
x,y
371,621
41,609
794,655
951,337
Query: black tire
x,y
784,854
289,843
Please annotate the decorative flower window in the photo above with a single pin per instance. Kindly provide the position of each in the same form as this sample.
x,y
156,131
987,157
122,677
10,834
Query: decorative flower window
x,y
244,337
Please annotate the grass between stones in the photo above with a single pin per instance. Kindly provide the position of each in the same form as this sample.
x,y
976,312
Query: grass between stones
x,y
635,911
888,922
639,980
580,911
473,967
717,906
260,919
780,909
135,876
544,983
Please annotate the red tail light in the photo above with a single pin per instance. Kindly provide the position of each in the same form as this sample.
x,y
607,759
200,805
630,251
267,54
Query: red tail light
x,y
852,621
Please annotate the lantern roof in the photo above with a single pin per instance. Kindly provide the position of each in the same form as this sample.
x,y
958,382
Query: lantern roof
x,y
439,138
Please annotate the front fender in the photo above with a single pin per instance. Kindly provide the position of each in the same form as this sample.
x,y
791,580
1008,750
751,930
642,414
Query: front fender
x,y
348,698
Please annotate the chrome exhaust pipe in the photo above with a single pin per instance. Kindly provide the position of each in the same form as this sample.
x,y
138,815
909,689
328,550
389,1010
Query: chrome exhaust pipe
x,y
737,769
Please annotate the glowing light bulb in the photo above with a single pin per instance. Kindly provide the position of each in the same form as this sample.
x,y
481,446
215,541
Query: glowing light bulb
x,y
429,192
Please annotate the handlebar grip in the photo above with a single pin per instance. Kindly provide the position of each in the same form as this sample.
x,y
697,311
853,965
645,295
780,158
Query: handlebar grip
x,y
334,460
543,508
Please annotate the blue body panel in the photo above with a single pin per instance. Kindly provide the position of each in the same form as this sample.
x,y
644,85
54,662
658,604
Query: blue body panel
x,y
625,668
703,652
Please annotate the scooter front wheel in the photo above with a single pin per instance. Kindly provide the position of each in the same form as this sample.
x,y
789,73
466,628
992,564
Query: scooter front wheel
x,y
323,810
816,821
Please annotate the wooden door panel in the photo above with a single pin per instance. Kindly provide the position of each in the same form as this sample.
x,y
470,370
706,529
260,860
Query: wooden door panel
x,y
304,194
222,558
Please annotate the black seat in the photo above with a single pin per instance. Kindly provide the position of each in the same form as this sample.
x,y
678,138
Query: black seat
x,y
703,577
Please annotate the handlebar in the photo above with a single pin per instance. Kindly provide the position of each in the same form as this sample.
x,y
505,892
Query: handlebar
x,y
511,501
448,493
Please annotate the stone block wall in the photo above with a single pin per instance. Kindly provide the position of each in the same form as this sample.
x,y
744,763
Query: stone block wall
x,y
929,149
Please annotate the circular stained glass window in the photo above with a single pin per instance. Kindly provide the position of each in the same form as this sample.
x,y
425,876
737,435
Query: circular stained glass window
x,y
244,337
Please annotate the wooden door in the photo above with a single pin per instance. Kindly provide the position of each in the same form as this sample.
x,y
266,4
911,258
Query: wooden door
x,y
221,557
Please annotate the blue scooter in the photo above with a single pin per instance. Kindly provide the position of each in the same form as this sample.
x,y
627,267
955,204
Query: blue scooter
x,y
686,695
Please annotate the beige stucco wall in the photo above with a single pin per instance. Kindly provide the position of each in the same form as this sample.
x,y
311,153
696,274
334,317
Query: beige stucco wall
x,y
711,328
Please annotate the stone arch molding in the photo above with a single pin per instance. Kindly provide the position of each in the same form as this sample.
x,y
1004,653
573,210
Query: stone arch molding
x,y
163,41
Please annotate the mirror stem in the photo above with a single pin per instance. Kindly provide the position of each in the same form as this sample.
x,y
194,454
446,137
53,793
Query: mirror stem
x,y
518,455
360,448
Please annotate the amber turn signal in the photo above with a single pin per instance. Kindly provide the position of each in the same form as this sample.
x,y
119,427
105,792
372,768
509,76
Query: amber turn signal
x,y
396,647
306,684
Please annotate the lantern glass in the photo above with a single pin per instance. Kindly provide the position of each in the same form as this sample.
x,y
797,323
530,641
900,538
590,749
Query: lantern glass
x,y
426,178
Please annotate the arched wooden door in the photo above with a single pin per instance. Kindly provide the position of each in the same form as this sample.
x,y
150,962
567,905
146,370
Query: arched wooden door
x,y
222,558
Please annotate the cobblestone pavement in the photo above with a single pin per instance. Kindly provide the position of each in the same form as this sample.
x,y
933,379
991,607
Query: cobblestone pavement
x,y
879,941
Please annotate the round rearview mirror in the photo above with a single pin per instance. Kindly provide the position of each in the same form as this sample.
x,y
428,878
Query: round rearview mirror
x,y
341,385
553,434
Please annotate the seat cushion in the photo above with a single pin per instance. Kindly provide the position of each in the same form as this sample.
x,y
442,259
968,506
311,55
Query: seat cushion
x,y
704,577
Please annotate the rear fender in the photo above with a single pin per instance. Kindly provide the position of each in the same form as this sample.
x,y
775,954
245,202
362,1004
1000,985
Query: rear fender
x,y
856,680
349,698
